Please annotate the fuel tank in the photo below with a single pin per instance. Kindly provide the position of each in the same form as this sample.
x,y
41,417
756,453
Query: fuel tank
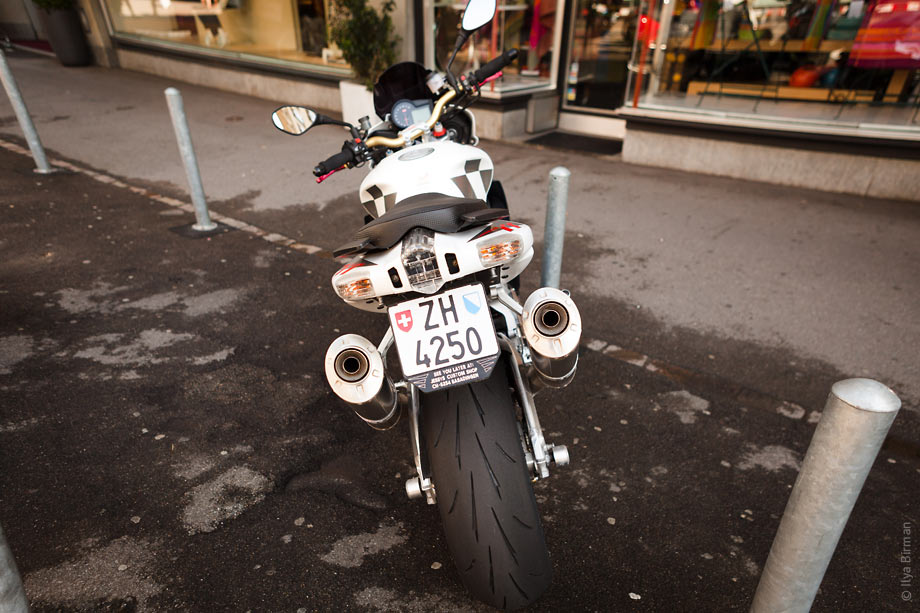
x,y
441,167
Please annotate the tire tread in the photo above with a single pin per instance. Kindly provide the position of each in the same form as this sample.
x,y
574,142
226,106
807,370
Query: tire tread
x,y
486,453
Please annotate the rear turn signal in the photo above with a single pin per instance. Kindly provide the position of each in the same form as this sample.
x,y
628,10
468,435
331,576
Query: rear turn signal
x,y
355,290
499,253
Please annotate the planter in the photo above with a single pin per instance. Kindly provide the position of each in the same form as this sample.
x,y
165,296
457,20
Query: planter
x,y
357,102
66,36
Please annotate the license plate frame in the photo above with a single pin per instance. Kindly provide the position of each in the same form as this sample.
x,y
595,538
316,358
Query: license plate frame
x,y
445,329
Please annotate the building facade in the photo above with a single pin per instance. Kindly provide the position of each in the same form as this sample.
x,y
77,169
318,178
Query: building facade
x,y
813,93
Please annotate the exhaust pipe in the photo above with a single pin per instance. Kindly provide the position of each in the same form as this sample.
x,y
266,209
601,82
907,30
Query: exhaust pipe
x,y
354,369
552,327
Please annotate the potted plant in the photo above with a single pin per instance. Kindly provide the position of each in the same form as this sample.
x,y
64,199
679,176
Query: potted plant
x,y
65,31
368,43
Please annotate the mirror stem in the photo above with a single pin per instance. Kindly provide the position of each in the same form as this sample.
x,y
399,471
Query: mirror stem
x,y
325,120
461,38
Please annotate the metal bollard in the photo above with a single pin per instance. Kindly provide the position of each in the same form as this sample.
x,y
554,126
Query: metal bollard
x,y
554,232
12,596
184,138
22,114
847,440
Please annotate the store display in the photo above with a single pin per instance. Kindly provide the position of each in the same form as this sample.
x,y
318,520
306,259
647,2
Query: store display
x,y
818,25
890,36
528,25
845,28
704,31
829,77
804,56
602,36
287,31
806,76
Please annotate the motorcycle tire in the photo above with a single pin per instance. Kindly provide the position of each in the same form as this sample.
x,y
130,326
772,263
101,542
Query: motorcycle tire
x,y
484,491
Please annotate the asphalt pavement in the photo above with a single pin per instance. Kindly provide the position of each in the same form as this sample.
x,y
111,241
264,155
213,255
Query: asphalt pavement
x,y
169,442
828,277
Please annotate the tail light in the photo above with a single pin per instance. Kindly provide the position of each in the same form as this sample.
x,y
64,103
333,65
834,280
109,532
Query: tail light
x,y
420,261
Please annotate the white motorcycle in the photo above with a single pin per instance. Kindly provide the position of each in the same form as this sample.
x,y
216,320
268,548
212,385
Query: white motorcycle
x,y
440,257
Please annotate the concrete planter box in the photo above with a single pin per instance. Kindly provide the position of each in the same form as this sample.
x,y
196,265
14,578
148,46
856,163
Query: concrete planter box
x,y
357,102
65,33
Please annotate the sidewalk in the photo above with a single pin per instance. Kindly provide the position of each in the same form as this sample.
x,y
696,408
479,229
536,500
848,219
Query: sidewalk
x,y
168,441
665,255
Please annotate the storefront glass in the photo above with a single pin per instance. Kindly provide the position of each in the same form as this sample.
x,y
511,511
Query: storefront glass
x,y
531,26
602,38
267,30
825,65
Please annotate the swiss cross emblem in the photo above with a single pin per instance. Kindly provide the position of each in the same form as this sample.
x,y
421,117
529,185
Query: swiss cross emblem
x,y
404,320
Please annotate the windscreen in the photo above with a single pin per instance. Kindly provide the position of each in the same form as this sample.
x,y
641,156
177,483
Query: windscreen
x,y
405,80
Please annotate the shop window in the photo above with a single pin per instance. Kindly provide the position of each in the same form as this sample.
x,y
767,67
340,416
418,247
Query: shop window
x,y
850,63
279,30
531,26
602,39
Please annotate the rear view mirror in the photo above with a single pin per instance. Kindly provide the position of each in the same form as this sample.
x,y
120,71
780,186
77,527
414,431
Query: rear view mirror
x,y
295,119
477,14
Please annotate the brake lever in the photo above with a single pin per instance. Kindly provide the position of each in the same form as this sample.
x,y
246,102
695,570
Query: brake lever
x,y
497,75
329,174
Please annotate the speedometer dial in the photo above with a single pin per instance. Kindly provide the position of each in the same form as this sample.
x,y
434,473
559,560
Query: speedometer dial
x,y
401,115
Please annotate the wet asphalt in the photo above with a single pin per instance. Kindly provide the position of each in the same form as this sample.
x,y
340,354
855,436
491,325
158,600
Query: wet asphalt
x,y
168,441
822,276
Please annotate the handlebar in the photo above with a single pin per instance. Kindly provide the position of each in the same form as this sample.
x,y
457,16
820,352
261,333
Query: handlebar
x,y
375,141
345,156
486,71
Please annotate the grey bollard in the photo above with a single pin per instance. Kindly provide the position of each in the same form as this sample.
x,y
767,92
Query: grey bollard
x,y
554,231
12,596
847,440
22,114
184,138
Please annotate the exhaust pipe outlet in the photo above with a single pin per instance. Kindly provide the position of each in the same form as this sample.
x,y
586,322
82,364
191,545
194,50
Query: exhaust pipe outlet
x,y
552,327
354,369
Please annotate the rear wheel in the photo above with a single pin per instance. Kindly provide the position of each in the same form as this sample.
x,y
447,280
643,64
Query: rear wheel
x,y
484,489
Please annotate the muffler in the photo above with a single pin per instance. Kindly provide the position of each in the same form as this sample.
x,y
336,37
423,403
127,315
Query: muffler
x,y
354,369
552,327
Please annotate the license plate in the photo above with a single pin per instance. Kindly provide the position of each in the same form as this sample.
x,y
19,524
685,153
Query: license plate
x,y
446,339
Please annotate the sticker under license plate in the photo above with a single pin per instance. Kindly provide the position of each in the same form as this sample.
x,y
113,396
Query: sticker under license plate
x,y
445,340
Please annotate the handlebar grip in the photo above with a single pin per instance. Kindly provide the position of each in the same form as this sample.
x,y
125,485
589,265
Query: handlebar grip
x,y
495,65
338,160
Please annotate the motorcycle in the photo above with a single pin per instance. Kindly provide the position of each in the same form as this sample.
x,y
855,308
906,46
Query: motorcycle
x,y
441,258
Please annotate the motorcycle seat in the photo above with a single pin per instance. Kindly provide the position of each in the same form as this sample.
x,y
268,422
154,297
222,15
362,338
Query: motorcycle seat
x,y
437,212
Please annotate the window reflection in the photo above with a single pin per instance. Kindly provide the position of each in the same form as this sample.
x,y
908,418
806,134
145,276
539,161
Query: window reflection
x,y
278,29
528,25
805,60
602,39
